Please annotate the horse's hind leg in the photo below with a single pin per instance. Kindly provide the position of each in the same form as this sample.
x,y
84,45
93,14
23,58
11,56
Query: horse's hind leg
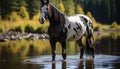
x,y
82,48
81,52
90,45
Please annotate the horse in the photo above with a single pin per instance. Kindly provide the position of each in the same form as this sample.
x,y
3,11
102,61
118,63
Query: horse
x,y
63,28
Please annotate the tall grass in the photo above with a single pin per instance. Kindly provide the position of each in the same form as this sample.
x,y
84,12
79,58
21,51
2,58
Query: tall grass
x,y
22,26
34,26
100,27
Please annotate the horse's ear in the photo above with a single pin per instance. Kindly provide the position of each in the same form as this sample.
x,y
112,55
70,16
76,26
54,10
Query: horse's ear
x,y
47,1
42,1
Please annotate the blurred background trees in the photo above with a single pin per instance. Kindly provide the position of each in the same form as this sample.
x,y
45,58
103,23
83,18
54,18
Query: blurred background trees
x,y
104,11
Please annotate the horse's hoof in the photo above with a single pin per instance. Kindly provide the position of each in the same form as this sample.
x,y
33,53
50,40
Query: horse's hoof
x,y
53,61
64,60
81,59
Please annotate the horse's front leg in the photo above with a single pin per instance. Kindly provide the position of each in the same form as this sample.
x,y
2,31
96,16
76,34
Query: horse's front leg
x,y
64,50
53,47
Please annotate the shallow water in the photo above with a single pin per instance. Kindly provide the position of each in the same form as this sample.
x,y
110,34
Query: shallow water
x,y
29,54
73,62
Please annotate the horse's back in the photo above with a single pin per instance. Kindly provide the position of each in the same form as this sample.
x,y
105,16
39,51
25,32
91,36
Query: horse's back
x,y
76,26
80,17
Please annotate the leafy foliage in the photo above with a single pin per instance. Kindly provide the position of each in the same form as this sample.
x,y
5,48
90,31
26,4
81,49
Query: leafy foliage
x,y
105,11
69,6
114,25
36,17
61,6
33,7
18,29
20,11
79,10
23,12
2,29
29,29
14,16
91,17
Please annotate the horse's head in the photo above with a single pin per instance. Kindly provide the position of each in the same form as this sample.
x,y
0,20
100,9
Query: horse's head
x,y
44,11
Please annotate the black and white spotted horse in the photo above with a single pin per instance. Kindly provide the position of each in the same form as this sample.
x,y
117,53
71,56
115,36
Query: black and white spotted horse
x,y
63,28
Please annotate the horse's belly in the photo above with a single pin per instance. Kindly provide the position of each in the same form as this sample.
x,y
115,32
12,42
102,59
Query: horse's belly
x,y
76,28
72,35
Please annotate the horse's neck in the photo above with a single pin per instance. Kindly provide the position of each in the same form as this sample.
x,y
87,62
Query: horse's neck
x,y
56,17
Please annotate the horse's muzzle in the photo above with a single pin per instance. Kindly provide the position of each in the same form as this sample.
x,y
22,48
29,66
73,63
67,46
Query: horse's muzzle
x,y
42,20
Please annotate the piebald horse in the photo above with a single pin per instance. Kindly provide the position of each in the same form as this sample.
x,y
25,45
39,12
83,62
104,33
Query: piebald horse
x,y
63,28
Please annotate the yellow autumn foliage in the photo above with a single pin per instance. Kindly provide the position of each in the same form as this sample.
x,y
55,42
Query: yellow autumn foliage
x,y
79,10
61,6
14,16
23,12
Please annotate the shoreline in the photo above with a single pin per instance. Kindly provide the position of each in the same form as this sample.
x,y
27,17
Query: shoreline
x,y
11,35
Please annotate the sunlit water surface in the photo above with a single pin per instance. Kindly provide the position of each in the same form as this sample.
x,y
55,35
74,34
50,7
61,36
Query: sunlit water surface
x,y
36,54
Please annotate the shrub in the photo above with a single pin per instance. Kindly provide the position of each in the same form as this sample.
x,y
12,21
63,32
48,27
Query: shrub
x,y
41,30
61,6
37,16
38,30
23,12
114,25
29,29
97,28
2,29
14,16
69,6
89,14
18,29
79,9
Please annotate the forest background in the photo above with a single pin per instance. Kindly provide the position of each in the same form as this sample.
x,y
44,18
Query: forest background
x,y
23,15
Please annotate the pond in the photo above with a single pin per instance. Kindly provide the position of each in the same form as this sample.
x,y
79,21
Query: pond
x,y
36,54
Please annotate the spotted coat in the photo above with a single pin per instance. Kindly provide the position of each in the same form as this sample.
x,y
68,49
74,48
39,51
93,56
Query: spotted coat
x,y
76,26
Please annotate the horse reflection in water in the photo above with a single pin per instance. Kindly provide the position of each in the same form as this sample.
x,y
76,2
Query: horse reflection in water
x,y
63,28
63,65
87,64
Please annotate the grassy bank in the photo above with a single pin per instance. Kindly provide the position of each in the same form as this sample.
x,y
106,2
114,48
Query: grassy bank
x,y
34,26
99,27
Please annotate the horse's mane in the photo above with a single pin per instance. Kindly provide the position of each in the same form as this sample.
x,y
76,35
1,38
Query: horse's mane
x,y
55,8
55,16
